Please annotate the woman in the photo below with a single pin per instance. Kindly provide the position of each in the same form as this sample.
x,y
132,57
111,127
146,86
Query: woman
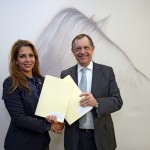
x,y
21,91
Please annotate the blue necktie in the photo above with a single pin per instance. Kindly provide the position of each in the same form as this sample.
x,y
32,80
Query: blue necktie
x,y
83,88
83,82
86,121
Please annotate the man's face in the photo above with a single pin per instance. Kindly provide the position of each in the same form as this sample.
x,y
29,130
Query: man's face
x,y
83,51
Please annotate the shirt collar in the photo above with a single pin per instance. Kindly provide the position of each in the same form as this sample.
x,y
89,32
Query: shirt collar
x,y
31,79
89,67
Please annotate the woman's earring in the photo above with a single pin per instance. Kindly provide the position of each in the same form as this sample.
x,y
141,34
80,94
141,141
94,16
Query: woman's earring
x,y
16,63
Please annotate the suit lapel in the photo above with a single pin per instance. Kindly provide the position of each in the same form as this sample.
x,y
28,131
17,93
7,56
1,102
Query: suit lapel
x,y
73,74
96,79
97,75
39,84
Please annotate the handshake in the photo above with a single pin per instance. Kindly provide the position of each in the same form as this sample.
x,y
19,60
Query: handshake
x,y
56,126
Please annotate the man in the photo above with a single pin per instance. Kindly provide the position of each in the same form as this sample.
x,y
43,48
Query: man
x,y
93,131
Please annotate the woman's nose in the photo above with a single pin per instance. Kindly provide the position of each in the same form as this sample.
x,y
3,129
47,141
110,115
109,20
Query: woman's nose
x,y
27,58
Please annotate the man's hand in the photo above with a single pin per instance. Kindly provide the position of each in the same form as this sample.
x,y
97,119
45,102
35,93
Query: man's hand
x,y
87,100
56,126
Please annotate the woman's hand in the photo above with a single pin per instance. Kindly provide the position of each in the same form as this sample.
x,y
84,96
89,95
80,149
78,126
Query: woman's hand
x,y
51,118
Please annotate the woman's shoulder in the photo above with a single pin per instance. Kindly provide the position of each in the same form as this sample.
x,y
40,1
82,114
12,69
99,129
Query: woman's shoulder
x,y
39,79
8,81
7,85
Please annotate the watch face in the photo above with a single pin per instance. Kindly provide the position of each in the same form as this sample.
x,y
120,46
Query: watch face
x,y
96,105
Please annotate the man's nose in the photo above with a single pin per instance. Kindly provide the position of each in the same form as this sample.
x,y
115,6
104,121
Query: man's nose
x,y
82,50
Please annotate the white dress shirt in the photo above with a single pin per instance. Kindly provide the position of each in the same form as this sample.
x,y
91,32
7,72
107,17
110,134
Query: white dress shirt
x,y
89,72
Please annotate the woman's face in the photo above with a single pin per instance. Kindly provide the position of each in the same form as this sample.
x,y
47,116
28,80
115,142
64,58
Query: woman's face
x,y
26,60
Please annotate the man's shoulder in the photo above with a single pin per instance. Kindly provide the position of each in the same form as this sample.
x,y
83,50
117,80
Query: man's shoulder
x,y
102,66
70,69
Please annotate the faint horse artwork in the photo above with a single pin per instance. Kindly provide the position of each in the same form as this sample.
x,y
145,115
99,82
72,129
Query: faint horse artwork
x,y
54,48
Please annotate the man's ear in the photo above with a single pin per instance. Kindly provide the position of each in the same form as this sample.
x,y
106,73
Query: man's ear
x,y
93,48
72,51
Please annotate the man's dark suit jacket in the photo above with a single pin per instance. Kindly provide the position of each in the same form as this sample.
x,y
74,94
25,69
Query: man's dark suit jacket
x,y
26,131
106,92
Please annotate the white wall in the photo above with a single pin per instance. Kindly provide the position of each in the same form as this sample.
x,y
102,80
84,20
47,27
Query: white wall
x,y
127,26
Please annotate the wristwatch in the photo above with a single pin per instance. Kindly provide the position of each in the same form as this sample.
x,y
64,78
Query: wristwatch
x,y
97,105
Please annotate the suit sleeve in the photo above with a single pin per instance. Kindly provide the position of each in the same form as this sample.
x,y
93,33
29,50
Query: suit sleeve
x,y
62,75
113,101
14,105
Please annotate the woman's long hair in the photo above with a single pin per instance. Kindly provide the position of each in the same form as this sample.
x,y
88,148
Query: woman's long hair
x,y
19,79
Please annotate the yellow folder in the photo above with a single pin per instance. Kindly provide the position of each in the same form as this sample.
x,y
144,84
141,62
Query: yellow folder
x,y
60,97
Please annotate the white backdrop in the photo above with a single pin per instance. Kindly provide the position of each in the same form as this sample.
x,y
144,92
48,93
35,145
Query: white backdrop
x,y
127,49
